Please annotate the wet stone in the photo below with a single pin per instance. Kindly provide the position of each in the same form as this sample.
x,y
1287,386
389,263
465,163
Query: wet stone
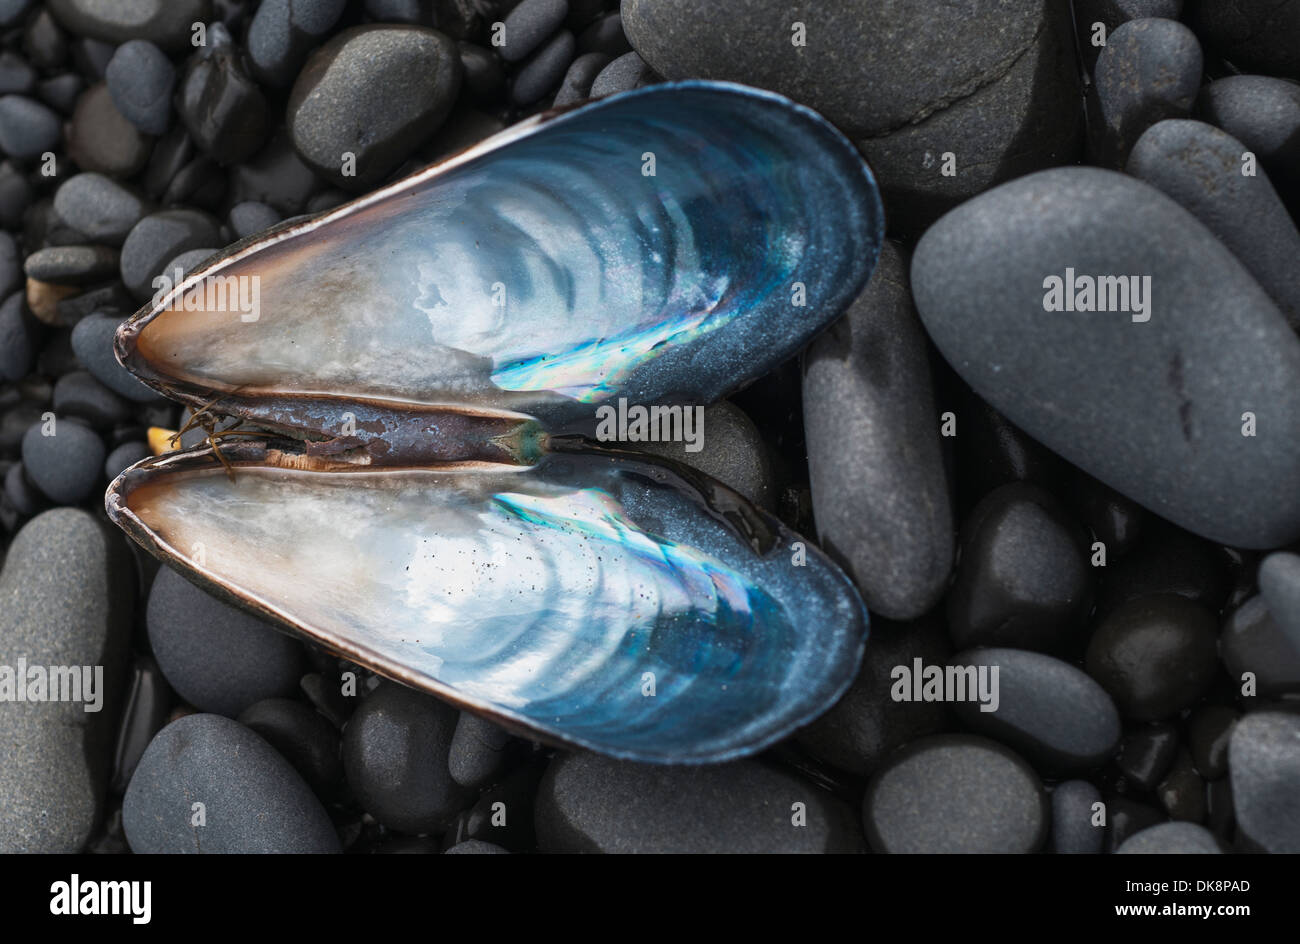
x,y
1208,732
223,108
147,705
1182,791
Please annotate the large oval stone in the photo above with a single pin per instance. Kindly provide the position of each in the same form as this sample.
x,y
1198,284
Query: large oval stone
x,y
1157,396
944,100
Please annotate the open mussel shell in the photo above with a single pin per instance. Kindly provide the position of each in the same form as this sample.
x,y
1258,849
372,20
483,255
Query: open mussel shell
x,y
599,599
671,243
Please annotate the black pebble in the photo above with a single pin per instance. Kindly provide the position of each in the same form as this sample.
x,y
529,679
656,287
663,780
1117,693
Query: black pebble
x,y
221,105
622,75
27,128
1251,641
307,741
1208,732
123,457
529,24
102,140
77,393
1182,791
158,239
867,724
148,703
17,350
72,265
92,342
67,465
22,494
251,217
99,207
578,79
253,800
1047,709
218,658
1073,818
1155,655
1022,577
1146,754
956,793
544,70
395,755
140,80
484,78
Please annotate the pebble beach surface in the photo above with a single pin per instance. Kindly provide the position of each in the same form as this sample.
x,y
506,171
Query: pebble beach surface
x,y
1055,440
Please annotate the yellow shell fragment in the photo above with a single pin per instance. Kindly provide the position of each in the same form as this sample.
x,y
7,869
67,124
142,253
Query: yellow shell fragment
x,y
163,440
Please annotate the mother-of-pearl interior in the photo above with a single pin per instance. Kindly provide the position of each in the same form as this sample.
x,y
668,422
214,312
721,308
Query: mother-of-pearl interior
x,y
561,267
546,595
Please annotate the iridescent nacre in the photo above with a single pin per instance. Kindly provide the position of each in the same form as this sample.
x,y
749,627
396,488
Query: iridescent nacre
x,y
433,353
607,602
674,242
